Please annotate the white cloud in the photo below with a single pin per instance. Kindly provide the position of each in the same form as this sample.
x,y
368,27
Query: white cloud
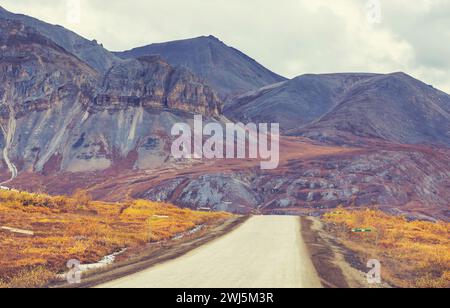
x,y
291,37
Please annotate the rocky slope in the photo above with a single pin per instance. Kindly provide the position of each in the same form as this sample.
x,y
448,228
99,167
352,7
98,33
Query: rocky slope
x,y
402,180
348,108
226,69
395,107
150,82
89,51
305,193
60,114
311,179
293,103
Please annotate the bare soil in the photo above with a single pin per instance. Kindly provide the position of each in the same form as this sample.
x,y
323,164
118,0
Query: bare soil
x,y
336,266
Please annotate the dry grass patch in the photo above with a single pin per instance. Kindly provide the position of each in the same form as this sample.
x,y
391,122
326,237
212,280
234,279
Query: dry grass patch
x,y
413,253
78,228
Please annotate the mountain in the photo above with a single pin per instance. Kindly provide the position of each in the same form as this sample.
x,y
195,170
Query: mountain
x,y
226,69
89,51
344,107
394,107
58,113
293,103
73,115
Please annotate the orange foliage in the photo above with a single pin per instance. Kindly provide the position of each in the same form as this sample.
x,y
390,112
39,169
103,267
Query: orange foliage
x,y
78,228
413,253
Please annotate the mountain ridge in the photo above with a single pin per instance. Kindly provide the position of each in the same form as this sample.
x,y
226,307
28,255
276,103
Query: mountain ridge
x,y
225,68
394,107
89,51
309,105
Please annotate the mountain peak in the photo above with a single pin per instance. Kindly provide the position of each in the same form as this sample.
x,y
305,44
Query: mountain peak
x,y
403,74
211,37
225,68
201,38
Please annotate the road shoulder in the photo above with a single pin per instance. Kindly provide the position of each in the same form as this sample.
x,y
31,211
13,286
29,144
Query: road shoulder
x,y
330,258
152,256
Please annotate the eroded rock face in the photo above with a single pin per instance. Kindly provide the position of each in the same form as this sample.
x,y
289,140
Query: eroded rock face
x,y
60,114
150,82
412,182
216,191
35,72
407,181
43,89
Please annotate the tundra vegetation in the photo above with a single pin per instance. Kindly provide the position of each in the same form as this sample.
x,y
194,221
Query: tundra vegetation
x,y
412,253
76,227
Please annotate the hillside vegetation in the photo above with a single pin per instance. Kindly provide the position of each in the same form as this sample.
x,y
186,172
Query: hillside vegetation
x,y
77,228
412,253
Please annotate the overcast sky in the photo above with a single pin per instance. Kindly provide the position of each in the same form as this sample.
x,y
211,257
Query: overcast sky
x,y
291,37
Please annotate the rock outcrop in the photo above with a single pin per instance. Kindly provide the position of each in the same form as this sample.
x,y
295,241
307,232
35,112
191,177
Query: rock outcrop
x,y
59,113
150,82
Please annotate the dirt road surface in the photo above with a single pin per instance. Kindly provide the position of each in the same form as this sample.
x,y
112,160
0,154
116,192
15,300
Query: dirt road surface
x,y
265,252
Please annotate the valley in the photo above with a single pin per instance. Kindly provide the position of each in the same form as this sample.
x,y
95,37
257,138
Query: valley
x,y
310,180
84,117
88,169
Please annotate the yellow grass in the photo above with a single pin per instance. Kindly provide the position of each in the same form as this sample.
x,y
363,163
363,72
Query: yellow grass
x,y
413,254
77,228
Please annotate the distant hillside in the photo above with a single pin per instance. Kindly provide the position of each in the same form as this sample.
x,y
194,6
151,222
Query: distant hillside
x,y
340,107
293,103
395,107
